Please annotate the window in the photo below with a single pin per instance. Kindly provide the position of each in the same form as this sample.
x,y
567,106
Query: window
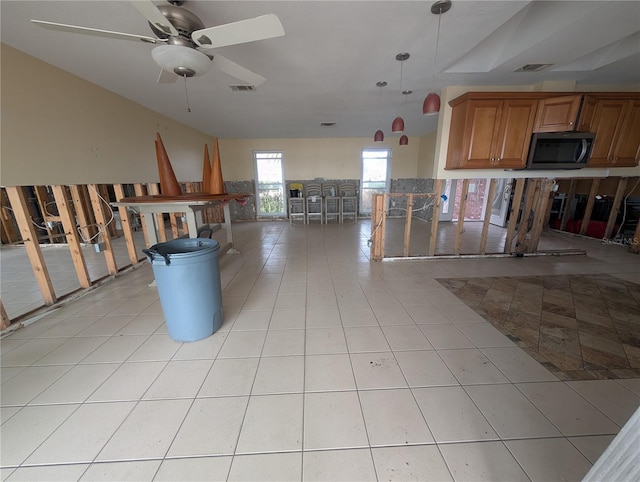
x,y
375,176
270,184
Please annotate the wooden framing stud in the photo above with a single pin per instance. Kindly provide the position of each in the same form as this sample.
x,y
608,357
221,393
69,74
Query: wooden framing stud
x,y
595,185
493,184
533,188
18,202
69,224
407,224
84,215
615,207
97,202
436,217
461,214
567,204
513,214
541,215
378,226
126,225
4,318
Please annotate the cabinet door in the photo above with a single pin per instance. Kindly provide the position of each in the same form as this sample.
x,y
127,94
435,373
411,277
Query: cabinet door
x,y
481,133
586,114
515,127
557,114
626,149
607,119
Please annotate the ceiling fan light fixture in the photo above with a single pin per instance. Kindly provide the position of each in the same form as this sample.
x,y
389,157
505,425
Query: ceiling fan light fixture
x,y
378,136
184,61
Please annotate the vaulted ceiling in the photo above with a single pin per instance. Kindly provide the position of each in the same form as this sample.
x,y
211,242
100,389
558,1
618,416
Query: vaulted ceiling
x,y
325,67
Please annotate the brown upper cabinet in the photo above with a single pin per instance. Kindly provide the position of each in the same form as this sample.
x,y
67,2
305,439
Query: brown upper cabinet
x,y
557,114
490,133
616,124
492,130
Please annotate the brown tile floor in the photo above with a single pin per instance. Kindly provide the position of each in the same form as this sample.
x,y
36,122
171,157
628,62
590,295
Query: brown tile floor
x,y
580,327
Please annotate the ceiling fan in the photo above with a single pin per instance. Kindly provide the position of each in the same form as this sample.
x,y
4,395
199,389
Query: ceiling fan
x,y
184,41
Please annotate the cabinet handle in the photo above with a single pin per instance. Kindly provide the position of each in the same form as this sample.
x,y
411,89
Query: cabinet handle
x,y
570,123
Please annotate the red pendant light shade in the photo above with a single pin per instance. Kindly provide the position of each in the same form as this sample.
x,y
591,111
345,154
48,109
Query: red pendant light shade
x,y
378,136
431,104
397,125
404,140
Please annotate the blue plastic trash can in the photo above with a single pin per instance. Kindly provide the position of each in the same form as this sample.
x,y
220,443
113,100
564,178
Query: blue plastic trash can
x,y
187,273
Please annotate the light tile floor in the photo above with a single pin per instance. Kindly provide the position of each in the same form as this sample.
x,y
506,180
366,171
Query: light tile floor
x,y
327,367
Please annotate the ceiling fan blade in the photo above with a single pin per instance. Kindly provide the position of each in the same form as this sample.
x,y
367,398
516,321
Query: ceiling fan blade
x,y
238,71
154,16
95,31
167,77
250,30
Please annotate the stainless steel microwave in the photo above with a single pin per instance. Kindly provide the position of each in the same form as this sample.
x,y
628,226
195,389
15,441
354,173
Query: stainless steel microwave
x,y
560,150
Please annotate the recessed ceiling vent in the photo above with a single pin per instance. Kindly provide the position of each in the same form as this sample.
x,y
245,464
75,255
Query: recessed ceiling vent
x,y
532,67
327,124
243,88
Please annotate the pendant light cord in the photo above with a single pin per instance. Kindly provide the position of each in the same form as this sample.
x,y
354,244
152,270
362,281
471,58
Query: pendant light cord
x,y
435,57
186,93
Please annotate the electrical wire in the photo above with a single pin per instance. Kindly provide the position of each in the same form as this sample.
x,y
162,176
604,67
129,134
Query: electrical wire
x,y
100,227
424,207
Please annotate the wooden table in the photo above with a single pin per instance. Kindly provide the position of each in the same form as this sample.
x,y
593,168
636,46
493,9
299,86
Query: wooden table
x,y
190,204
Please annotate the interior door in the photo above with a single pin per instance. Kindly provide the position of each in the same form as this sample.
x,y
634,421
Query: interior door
x,y
501,202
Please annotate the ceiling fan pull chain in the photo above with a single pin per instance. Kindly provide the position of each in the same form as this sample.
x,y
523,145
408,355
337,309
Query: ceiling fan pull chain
x,y
186,93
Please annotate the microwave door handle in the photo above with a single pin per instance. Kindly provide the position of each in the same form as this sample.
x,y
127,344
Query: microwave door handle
x,y
583,152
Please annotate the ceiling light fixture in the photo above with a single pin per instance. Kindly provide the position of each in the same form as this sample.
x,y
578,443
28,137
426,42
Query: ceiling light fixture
x,y
431,104
404,140
184,61
379,135
398,122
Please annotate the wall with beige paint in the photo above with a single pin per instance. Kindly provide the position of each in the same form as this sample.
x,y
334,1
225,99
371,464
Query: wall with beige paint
x,y
60,129
334,158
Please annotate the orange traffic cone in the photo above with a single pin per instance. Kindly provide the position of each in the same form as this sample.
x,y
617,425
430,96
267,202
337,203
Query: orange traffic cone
x,y
169,185
217,183
206,172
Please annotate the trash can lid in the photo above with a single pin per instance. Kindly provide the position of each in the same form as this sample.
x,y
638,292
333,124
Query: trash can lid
x,y
182,249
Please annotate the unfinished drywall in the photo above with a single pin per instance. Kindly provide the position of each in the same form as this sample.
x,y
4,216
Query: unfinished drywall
x,y
60,129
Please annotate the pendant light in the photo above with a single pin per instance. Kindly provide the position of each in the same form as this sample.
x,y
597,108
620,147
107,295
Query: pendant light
x,y
404,140
398,123
379,135
431,104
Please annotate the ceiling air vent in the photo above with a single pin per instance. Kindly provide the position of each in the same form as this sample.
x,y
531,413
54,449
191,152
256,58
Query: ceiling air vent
x,y
327,124
243,88
532,67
